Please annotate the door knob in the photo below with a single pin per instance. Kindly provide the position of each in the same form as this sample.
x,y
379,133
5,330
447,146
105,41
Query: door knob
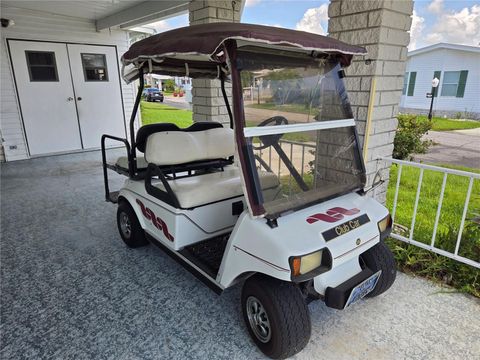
x,y
79,98
69,98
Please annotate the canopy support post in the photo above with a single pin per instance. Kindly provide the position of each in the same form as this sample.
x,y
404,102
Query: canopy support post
x,y
225,97
133,153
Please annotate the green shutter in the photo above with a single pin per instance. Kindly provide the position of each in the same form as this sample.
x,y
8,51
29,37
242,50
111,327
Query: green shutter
x,y
461,83
411,84
437,75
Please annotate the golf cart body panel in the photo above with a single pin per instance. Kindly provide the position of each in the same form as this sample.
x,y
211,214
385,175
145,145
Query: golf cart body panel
x,y
300,233
213,200
178,228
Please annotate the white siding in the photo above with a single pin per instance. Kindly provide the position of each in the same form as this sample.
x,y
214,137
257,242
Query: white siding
x,y
444,60
33,25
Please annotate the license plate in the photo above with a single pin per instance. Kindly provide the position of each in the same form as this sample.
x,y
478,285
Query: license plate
x,y
363,288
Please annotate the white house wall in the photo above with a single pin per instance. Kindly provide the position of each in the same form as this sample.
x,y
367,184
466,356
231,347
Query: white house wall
x,y
33,25
444,60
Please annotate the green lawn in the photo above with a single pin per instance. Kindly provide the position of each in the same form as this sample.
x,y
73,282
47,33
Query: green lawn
x,y
414,259
159,113
441,124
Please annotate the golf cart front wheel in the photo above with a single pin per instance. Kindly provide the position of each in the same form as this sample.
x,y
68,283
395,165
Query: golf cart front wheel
x,y
129,227
380,257
276,316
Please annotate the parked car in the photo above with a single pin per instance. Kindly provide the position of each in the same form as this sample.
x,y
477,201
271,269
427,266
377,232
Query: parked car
x,y
153,94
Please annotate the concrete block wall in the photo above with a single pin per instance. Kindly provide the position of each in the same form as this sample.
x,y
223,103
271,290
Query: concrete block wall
x,y
207,98
381,27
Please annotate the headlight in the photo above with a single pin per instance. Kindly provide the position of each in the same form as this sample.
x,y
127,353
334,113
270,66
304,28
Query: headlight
x,y
385,224
302,265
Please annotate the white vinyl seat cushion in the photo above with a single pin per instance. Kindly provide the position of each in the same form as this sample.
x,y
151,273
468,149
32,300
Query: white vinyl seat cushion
x,y
207,188
181,147
123,162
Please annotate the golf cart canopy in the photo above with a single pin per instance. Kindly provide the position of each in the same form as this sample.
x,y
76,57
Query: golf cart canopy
x,y
197,51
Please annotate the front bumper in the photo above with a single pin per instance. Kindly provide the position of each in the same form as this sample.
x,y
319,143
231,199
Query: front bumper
x,y
336,297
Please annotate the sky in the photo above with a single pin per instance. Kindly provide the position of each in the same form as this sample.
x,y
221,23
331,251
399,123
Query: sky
x,y
433,21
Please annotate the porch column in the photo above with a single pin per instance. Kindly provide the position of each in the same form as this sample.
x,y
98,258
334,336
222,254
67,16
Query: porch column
x,y
207,98
381,27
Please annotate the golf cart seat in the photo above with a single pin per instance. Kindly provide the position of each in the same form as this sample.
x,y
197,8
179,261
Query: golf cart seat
x,y
145,131
122,162
212,187
177,148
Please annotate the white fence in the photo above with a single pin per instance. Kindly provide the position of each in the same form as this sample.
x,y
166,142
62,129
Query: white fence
x,y
431,246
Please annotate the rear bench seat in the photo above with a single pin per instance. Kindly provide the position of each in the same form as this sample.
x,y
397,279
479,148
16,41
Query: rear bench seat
x,y
145,131
170,148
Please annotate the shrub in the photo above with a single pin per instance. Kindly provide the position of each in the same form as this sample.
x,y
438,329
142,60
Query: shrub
x,y
169,85
408,139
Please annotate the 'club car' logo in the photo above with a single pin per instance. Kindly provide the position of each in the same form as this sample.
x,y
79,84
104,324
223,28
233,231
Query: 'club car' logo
x,y
159,223
332,215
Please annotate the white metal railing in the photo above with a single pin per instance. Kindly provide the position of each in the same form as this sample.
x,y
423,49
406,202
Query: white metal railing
x,y
297,152
431,246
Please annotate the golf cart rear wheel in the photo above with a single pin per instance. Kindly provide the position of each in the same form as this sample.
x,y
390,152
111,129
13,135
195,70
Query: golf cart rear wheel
x,y
130,230
378,258
276,316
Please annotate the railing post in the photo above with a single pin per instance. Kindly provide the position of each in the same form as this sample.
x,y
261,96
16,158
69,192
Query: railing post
x,y
399,175
439,209
417,197
464,215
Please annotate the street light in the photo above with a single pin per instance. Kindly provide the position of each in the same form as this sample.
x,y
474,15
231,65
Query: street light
x,y
435,83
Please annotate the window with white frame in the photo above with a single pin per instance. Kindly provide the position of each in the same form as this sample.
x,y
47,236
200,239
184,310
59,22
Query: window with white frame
x,y
454,83
450,83
405,84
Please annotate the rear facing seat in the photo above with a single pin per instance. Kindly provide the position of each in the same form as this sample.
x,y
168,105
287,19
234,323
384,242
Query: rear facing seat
x,y
170,148
145,131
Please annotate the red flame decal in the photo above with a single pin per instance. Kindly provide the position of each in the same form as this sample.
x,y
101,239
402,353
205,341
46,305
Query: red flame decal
x,y
156,221
332,215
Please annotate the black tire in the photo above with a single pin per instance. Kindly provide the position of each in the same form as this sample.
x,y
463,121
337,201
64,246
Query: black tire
x,y
378,258
286,313
135,236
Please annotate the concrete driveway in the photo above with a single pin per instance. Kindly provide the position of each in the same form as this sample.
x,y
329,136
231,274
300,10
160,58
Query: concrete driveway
x,y
461,147
70,289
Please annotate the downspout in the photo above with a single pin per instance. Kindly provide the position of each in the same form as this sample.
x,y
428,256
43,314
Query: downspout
x,y
368,123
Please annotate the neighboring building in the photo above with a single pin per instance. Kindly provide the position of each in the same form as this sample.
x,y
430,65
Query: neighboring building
x,y
458,69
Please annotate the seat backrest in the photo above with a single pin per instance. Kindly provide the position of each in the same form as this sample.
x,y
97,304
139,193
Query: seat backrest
x,y
181,147
146,130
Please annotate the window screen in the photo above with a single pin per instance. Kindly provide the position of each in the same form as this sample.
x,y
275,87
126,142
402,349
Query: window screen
x,y
405,83
94,67
450,83
41,65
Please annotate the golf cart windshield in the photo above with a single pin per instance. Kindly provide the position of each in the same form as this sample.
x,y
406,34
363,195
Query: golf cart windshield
x,y
299,126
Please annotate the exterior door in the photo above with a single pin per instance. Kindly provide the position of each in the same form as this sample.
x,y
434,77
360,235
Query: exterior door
x,y
45,90
96,82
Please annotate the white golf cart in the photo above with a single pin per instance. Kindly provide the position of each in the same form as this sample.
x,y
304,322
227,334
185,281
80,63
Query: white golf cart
x,y
276,201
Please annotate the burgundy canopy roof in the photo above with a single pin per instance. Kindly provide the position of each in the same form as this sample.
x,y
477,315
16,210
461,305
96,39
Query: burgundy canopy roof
x,y
197,45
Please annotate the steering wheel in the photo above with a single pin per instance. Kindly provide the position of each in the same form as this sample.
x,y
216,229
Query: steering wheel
x,y
269,140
